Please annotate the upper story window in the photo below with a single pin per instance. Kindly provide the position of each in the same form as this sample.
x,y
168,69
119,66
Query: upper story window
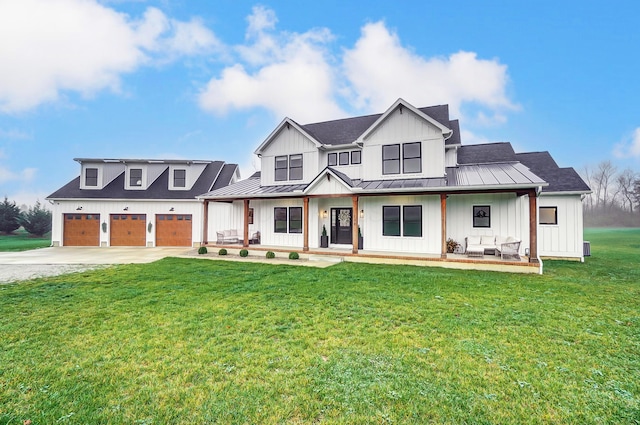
x,y
282,165
91,177
411,158
179,178
344,158
391,159
289,167
135,177
295,167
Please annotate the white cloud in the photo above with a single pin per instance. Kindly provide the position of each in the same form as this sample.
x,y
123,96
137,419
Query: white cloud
x,y
380,70
14,134
48,47
25,175
294,76
630,147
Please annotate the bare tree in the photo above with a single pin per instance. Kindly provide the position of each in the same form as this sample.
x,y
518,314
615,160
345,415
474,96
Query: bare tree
x,y
602,179
625,188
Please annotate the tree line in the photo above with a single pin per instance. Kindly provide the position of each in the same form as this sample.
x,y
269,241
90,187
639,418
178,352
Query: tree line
x,y
35,220
615,196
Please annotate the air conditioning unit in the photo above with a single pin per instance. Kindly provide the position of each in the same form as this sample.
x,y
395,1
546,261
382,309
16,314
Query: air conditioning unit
x,y
586,249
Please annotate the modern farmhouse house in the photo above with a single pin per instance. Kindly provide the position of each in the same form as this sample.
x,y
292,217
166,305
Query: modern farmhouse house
x,y
133,202
403,183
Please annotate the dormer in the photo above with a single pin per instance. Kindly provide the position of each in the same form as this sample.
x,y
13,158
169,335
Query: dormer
x,y
96,174
183,174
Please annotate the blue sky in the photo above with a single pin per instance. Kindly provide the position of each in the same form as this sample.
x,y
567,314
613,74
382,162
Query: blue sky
x,y
211,79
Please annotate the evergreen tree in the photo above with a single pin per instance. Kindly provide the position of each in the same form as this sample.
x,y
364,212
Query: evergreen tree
x,y
9,216
37,220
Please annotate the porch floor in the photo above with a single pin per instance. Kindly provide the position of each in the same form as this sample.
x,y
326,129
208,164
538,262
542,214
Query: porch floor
x,y
454,261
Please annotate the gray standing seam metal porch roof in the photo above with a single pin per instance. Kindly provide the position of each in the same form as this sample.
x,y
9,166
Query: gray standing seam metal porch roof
x,y
216,174
506,175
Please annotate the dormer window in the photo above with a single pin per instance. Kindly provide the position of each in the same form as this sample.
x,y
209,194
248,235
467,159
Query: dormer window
x,y
91,177
135,177
179,178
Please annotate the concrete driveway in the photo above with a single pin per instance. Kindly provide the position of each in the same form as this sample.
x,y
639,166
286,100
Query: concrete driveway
x,y
15,266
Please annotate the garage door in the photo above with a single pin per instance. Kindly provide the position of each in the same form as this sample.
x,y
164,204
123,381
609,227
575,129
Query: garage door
x,y
81,230
128,229
173,230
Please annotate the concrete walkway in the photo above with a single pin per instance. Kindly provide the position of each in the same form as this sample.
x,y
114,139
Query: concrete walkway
x,y
15,266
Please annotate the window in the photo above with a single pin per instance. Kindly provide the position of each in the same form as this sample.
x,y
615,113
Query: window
x,y
356,157
91,177
548,215
179,178
250,216
391,221
280,220
135,177
481,216
391,159
295,167
332,159
295,220
344,158
412,158
282,165
412,220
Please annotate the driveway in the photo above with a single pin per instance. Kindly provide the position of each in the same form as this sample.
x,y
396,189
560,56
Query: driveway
x,y
53,261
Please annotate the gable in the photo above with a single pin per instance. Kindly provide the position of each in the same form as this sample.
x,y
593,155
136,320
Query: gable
x,y
288,139
403,124
328,183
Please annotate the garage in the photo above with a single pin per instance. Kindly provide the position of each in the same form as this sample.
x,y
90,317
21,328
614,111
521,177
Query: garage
x,y
81,230
128,230
173,230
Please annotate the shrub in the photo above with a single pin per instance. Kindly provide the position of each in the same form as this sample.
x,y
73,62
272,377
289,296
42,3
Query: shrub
x,y
202,250
222,251
451,245
37,220
244,252
293,256
271,254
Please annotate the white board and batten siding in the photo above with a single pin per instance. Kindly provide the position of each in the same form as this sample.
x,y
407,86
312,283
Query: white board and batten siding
x,y
564,239
105,209
289,141
371,225
405,127
509,217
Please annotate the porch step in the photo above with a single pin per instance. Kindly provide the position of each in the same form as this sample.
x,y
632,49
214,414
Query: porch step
x,y
326,258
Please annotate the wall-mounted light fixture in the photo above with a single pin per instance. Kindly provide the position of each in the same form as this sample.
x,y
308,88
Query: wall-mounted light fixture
x,y
79,208
171,209
361,213
125,209
324,214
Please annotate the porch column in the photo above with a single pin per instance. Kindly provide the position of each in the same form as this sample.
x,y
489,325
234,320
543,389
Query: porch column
x,y
533,227
245,240
305,224
443,225
354,219
205,223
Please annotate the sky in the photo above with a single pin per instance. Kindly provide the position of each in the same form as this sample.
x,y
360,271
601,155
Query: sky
x,y
189,79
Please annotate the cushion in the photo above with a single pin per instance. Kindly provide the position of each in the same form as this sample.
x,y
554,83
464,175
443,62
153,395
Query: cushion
x,y
488,240
500,240
511,239
473,240
226,233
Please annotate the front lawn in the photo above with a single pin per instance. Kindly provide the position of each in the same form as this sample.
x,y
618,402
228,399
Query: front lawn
x,y
197,341
20,240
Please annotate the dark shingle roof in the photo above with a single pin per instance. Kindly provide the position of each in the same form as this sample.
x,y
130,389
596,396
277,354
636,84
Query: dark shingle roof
x,y
486,153
159,189
559,179
347,130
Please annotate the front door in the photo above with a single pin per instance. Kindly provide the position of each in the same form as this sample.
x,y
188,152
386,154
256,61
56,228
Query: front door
x,y
341,230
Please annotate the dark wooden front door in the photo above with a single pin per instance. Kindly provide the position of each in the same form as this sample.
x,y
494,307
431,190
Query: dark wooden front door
x,y
341,226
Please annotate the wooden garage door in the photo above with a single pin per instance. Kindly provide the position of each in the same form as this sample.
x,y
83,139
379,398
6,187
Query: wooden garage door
x,y
128,229
173,230
81,230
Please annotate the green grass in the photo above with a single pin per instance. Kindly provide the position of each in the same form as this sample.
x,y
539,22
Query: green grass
x,y
22,241
195,341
